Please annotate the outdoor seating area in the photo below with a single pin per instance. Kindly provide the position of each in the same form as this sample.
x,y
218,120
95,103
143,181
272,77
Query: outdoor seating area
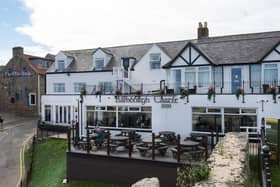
x,y
162,146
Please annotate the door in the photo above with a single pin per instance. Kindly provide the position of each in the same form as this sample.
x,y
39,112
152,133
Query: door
x,y
235,79
177,80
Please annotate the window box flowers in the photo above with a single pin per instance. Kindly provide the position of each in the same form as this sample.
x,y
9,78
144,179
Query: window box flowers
x,y
184,92
272,90
239,91
118,91
211,92
83,91
98,92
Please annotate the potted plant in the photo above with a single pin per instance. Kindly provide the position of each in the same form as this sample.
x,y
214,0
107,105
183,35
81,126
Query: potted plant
x,y
239,91
211,92
184,92
138,92
118,91
98,92
161,91
83,91
272,90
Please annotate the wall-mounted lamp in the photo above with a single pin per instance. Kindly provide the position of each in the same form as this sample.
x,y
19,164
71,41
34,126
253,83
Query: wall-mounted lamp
x,y
262,102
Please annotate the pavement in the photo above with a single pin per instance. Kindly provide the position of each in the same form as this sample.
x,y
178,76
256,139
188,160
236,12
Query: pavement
x,y
16,130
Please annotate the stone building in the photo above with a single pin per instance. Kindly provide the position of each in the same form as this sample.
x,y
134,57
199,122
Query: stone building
x,y
22,82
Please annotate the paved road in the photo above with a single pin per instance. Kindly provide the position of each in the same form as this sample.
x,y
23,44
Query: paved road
x,y
16,130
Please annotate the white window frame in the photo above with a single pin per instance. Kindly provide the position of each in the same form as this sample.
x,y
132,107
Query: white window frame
x,y
155,60
78,85
55,85
99,59
195,70
32,94
58,62
263,70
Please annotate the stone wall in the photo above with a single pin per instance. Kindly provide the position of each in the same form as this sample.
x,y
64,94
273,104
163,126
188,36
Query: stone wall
x,y
229,162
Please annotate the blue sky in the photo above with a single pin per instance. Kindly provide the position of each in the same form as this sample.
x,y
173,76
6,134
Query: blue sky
x,y
12,15
47,26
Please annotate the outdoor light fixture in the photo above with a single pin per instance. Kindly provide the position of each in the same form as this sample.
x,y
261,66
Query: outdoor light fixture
x,y
262,102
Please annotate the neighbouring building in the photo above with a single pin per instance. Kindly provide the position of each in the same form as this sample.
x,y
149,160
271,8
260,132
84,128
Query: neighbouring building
x,y
140,86
22,82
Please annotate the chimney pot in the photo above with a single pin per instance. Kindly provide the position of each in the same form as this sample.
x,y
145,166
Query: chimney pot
x,y
17,51
202,31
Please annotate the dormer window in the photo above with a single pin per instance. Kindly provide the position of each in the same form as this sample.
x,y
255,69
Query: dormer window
x,y
155,60
60,65
99,63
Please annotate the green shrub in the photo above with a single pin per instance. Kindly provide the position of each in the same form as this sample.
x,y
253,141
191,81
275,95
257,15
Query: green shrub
x,y
188,175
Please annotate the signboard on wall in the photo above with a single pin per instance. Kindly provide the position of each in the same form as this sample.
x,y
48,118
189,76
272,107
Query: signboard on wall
x,y
144,99
17,74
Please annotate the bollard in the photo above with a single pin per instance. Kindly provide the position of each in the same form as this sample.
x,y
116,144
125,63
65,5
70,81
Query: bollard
x,y
178,148
129,145
153,146
108,143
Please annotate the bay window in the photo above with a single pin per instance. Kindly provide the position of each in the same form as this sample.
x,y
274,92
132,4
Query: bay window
x,y
203,76
190,77
270,72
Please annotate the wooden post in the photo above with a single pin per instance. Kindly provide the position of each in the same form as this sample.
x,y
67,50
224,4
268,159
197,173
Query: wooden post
x,y
243,94
212,140
88,141
153,146
129,145
69,139
206,146
108,143
217,135
278,142
178,147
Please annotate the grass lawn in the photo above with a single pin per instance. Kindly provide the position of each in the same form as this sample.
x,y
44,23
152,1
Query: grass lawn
x,y
49,166
254,180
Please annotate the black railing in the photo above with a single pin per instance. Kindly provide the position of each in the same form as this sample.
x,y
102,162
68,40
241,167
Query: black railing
x,y
264,160
247,87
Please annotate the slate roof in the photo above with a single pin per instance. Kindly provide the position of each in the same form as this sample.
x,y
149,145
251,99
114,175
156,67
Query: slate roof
x,y
232,49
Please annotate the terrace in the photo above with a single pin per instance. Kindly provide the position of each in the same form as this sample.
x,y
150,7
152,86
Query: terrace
x,y
222,87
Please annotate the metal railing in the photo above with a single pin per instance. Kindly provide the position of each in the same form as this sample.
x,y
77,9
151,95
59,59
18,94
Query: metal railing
x,y
126,87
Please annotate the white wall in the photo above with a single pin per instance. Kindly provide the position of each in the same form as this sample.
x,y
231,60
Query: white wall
x,y
178,118
273,55
144,74
90,78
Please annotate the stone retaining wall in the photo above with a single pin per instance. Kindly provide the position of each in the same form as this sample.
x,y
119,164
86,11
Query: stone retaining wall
x,y
229,162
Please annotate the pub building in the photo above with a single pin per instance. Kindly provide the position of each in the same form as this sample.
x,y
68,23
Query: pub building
x,y
22,82
227,83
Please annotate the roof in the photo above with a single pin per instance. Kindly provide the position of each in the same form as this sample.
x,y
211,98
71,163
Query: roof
x,y
231,49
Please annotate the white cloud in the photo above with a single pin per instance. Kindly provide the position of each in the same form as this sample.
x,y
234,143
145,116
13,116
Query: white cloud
x,y
71,24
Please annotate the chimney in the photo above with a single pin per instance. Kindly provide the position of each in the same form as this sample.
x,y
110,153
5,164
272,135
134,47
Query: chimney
x,y
202,31
17,51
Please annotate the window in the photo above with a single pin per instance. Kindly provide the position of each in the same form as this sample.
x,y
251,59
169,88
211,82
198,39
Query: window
x,y
78,86
60,65
155,61
203,76
47,112
270,73
218,76
190,76
106,87
32,98
255,72
99,63
128,117
59,87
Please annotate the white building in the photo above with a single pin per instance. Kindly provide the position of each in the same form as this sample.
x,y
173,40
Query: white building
x,y
140,72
